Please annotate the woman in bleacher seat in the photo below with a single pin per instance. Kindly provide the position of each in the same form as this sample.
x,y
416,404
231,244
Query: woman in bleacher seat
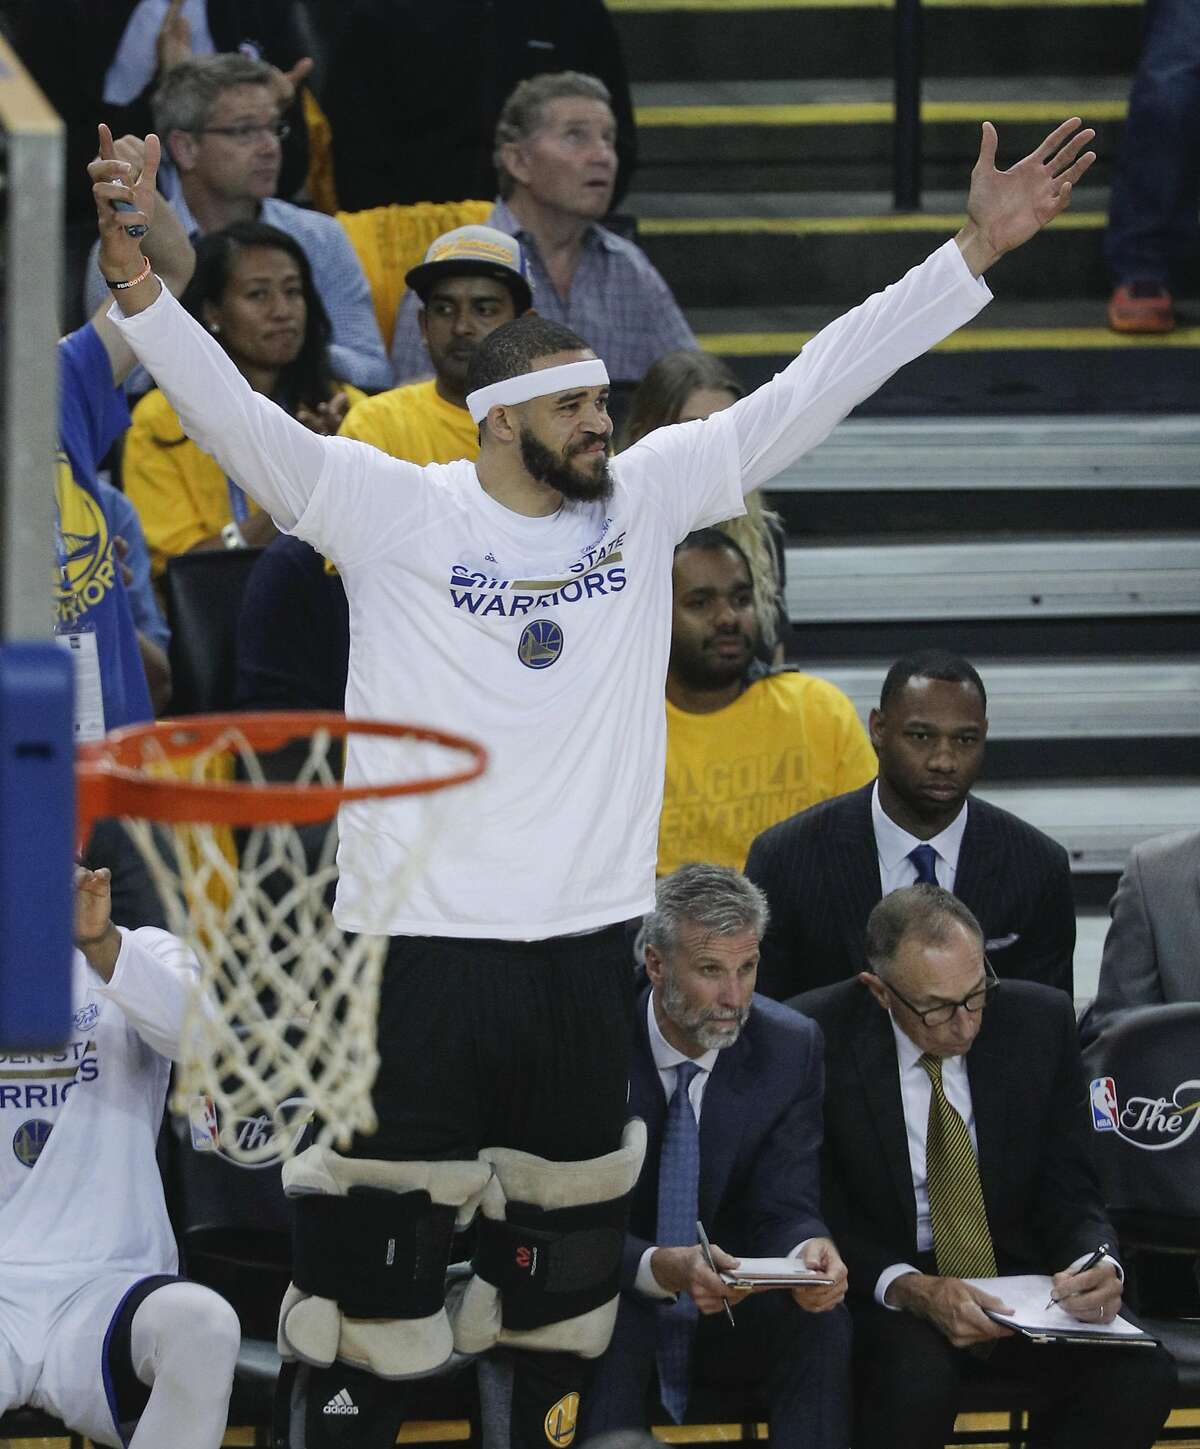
x,y
253,290
684,385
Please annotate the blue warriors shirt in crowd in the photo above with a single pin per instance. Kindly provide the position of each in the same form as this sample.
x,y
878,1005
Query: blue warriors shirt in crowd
x,y
92,615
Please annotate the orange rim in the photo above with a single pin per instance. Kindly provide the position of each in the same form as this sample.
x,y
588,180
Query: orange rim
x,y
111,780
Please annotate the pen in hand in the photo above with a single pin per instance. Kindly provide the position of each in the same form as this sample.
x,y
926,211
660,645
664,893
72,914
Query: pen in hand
x,y
1084,1267
706,1247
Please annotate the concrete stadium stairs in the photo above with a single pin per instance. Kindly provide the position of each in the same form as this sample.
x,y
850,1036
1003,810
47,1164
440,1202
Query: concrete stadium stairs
x,y
1029,493
764,187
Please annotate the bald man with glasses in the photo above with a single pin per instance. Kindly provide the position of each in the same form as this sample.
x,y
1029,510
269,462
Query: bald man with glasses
x,y
956,1147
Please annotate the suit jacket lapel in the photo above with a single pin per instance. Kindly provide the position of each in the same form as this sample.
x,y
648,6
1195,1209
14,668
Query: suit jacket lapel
x,y
854,868
875,1053
972,882
987,1068
722,1118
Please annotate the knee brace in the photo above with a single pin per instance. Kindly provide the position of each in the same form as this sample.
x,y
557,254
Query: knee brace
x,y
547,1270
371,1244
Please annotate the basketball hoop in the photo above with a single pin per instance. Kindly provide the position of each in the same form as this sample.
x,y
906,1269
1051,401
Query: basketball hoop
x,y
234,817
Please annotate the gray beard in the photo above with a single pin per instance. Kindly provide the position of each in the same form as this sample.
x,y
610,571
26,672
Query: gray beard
x,y
694,1020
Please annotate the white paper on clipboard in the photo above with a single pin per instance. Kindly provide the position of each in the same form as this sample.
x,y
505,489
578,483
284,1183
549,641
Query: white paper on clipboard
x,y
1027,1295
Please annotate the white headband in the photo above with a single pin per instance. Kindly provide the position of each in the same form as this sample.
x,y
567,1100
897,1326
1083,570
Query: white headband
x,y
536,384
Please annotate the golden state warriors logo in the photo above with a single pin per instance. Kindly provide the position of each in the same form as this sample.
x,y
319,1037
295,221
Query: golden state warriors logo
x,y
29,1139
541,644
86,569
562,1419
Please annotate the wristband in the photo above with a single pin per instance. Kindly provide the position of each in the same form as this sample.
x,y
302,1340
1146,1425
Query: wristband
x,y
133,281
232,536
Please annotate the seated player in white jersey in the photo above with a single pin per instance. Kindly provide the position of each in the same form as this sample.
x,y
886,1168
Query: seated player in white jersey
x,y
95,1326
525,596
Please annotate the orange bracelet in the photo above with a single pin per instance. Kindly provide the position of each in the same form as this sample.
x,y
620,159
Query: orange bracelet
x,y
133,281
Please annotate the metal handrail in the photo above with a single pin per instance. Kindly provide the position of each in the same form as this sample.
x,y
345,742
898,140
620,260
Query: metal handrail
x,y
906,164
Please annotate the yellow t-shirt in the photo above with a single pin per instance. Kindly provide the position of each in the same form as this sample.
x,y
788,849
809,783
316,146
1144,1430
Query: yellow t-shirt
x,y
414,423
787,741
181,494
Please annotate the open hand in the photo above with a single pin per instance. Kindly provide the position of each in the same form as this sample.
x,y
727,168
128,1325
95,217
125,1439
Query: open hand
x,y
952,1305
1006,208
821,1255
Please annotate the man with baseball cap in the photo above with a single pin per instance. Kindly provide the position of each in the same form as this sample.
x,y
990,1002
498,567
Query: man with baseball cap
x,y
472,281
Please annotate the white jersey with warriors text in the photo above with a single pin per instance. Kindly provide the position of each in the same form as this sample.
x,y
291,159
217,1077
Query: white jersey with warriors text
x,y
545,638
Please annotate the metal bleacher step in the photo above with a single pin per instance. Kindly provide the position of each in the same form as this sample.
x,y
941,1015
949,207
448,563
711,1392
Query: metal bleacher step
x,y
1065,699
1021,578
1010,454
1016,357
718,257
1098,822
666,40
836,133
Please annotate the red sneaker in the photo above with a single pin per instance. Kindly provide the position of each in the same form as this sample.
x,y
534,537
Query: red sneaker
x,y
1141,307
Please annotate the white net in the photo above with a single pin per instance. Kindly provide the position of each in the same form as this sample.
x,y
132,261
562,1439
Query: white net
x,y
282,1027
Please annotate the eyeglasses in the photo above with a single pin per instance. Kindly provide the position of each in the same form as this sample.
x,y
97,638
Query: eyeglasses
x,y
243,135
943,1013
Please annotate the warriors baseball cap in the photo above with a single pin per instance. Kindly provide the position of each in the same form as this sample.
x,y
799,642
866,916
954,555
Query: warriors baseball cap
x,y
479,251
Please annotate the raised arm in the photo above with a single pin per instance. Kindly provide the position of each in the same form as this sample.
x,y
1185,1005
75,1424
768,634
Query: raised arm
x,y
277,460
166,246
148,973
853,356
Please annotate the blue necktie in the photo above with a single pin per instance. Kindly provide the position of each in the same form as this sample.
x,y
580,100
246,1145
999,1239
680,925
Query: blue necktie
x,y
678,1208
924,858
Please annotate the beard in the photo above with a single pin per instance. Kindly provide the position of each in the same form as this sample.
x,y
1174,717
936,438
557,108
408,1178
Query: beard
x,y
557,473
699,1022
699,669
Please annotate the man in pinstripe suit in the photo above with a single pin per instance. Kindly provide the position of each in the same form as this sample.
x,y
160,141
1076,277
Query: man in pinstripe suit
x,y
824,869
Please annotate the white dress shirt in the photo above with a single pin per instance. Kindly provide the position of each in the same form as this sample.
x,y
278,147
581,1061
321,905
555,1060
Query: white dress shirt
x,y
915,1093
893,843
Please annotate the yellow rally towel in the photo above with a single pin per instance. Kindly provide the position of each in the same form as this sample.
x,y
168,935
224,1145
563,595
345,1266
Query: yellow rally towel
x,y
390,240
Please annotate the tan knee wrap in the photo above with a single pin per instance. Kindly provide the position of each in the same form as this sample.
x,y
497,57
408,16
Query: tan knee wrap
x,y
475,1305
314,1328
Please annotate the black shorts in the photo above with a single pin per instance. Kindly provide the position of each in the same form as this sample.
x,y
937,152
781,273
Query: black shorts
x,y
486,1043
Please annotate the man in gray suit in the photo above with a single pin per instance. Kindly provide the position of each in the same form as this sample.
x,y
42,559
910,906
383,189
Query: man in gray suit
x,y
1152,950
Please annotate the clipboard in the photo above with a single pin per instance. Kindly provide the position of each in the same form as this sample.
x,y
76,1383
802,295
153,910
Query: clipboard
x,y
1028,1293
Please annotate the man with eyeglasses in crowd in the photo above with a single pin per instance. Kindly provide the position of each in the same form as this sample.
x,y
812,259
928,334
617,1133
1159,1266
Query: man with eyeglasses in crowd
x,y
956,1147
219,119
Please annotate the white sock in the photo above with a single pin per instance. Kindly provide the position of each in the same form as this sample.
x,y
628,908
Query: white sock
x,y
184,1343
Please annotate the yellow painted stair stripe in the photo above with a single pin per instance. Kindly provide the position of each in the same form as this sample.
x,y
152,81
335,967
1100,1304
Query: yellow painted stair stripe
x,y
972,339
877,113
836,225
652,6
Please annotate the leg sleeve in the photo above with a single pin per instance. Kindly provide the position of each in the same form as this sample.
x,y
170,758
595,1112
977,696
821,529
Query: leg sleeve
x,y
184,1343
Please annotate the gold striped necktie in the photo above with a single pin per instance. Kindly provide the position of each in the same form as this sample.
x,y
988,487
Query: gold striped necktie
x,y
962,1242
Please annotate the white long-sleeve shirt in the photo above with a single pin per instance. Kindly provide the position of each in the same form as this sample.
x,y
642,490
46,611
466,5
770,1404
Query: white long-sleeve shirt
x,y
546,638
79,1183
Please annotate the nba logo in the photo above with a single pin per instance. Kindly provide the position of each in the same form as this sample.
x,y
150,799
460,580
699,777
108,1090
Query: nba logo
x,y
202,1118
1104,1104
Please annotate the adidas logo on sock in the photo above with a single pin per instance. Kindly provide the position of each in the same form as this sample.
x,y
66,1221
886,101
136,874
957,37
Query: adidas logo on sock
x,y
341,1403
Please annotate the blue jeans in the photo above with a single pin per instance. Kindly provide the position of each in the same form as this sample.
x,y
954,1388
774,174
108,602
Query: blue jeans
x,y
1152,219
